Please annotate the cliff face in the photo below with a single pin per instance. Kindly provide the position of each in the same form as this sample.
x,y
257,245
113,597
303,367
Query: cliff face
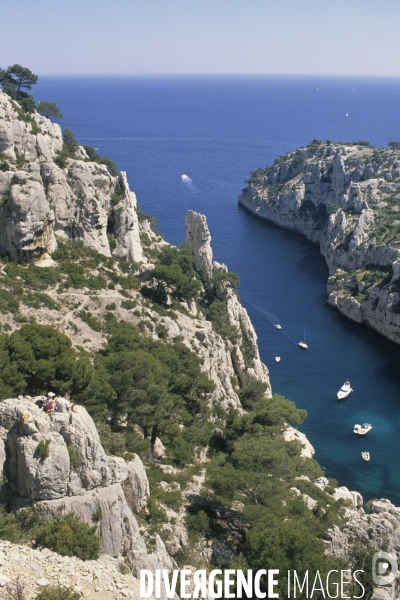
x,y
244,354
93,481
39,199
346,198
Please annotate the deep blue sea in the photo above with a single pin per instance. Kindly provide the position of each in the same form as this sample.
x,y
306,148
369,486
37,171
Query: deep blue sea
x,y
216,130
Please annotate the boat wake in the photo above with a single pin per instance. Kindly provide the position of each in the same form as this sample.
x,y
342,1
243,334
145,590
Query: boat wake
x,y
273,319
189,183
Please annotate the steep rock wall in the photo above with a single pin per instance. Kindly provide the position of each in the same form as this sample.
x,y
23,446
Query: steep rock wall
x,y
93,482
346,199
246,362
38,198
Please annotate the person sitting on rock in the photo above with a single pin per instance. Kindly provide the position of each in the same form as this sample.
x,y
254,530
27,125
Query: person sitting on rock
x,y
49,406
63,405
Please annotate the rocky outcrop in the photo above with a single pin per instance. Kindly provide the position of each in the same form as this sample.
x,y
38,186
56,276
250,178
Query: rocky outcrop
x,y
291,434
38,569
244,354
199,241
377,530
39,198
344,198
77,476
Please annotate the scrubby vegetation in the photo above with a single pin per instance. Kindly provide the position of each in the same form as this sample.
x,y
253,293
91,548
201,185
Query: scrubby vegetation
x,y
69,536
254,468
175,270
58,593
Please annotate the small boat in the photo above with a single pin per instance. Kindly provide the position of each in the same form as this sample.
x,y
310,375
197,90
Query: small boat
x,y
347,114
277,359
362,429
366,456
303,344
277,326
344,391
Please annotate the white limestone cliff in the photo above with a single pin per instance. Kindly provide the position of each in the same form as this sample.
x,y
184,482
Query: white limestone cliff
x,y
340,197
39,199
380,529
246,363
94,482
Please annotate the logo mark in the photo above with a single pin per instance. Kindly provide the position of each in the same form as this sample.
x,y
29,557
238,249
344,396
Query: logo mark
x,y
382,562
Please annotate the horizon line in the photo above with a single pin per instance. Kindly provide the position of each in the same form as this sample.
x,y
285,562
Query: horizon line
x,y
219,75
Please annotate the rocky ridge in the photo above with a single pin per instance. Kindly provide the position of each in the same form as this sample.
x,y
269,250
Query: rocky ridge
x,y
377,530
38,569
92,482
346,199
40,200
199,241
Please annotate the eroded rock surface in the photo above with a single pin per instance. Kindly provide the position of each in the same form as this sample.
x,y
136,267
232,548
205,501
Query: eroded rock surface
x,y
38,569
345,198
39,198
244,354
76,477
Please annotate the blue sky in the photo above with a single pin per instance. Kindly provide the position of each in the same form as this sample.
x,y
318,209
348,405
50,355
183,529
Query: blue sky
x,y
337,37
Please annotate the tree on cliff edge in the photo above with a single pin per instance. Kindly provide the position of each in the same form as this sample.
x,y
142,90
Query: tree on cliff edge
x,y
16,78
49,110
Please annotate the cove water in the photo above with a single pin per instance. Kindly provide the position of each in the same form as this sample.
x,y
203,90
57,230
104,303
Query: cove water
x,y
215,130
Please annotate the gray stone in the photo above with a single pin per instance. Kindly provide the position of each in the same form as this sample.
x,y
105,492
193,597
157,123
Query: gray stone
x,y
75,202
330,197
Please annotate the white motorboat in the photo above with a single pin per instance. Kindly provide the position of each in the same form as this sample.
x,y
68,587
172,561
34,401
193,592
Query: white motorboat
x,y
277,359
362,429
303,344
277,326
344,391
366,456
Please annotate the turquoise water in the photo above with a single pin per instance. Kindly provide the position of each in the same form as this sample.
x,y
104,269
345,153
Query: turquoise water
x,y
215,130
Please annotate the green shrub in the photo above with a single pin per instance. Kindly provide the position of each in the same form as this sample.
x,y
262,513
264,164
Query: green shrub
x,y
43,449
35,127
124,569
219,318
8,303
74,459
128,304
117,195
38,357
58,593
18,528
97,515
69,536
156,516
231,278
93,323
101,160
180,451
39,299
161,331
173,499
175,270
198,523
10,529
